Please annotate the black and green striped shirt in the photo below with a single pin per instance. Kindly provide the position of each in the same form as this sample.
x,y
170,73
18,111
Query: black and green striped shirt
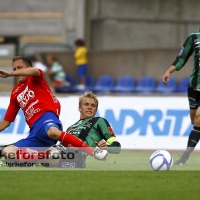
x,y
191,46
91,130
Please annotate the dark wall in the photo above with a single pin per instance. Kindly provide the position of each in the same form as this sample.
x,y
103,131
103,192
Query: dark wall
x,y
134,62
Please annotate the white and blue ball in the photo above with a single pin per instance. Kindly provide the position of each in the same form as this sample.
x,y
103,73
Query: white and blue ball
x,y
161,160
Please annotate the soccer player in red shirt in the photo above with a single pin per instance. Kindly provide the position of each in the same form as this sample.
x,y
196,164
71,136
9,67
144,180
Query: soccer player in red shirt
x,y
41,110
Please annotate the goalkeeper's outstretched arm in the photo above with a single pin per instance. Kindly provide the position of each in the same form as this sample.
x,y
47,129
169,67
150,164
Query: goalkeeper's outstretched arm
x,y
4,124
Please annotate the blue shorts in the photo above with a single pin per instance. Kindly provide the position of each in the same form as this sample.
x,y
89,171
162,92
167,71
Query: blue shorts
x,y
81,71
38,133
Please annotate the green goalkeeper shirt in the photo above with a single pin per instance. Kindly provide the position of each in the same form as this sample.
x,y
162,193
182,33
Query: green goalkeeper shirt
x,y
191,46
92,130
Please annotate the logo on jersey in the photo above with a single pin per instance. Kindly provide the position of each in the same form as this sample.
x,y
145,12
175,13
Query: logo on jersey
x,y
181,51
72,130
49,120
30,110
24,97
87,125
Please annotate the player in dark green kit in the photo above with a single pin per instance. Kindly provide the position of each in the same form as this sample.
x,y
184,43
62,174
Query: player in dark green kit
x,y
94,131
191,46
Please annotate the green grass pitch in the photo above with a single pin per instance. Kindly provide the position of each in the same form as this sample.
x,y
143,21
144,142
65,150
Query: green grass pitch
x,y
125,176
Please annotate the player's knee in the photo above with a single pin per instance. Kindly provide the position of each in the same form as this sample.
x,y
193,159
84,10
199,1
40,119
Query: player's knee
x,y
197,119
193,115
54,133
10,151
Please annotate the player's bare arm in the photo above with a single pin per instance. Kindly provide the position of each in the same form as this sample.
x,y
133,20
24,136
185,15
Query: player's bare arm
x,y
4,124
22,72
166,76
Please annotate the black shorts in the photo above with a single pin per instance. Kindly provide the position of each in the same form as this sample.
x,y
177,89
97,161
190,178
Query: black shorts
x,y
194,98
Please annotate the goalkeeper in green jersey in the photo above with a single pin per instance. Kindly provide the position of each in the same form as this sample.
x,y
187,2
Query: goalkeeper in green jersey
x,y
190,47
94,131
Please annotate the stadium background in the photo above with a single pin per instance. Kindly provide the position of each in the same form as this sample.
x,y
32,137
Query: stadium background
x,y
128,37
124,37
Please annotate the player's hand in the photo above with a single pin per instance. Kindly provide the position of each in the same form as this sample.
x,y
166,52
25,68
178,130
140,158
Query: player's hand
x,y
4,74
166,78
102,144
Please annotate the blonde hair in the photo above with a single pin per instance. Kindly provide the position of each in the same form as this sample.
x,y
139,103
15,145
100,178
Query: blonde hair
x,y
88,94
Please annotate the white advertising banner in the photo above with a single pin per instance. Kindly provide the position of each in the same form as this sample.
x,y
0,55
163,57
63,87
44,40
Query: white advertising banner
x,y
142,122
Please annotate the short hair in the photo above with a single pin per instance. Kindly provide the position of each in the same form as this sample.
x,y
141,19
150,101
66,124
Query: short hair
x,y
79,42
25,60
88,94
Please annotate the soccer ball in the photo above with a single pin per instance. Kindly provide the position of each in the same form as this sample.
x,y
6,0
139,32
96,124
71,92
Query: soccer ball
x,y
161,160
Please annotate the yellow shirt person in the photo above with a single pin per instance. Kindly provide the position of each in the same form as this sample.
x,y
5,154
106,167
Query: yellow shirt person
x,y
81,56
81,62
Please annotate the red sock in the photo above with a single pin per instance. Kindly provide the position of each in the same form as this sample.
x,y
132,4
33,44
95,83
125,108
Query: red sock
x,y
27,154
68,139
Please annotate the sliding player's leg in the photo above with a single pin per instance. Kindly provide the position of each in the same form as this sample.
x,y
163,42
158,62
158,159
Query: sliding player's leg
x,y
68,140
10,151
49,130
19,154
44,133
